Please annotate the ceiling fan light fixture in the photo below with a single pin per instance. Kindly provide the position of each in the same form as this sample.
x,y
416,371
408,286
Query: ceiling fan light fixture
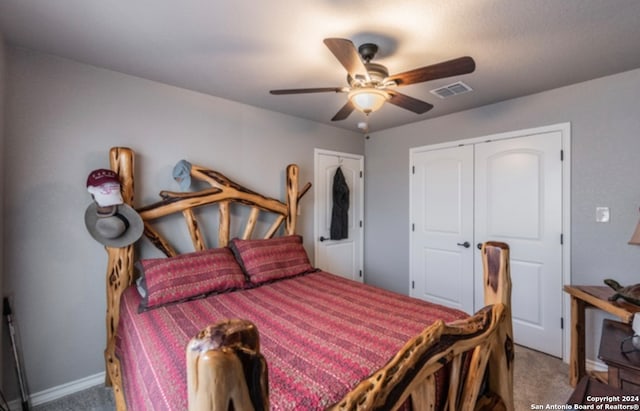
x,y
368,99
370,84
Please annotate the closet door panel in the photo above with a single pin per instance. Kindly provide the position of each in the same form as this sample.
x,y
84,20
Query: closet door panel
x,y
442,212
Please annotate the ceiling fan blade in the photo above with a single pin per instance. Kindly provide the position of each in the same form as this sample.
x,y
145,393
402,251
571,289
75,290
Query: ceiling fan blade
x,y
344,112
310,90
455,67
348,56
408,103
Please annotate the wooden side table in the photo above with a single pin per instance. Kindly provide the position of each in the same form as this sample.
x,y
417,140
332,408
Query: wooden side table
x,y
590,296
624,369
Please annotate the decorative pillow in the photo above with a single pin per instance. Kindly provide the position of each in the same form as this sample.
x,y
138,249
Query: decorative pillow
x,y
187,276
271,259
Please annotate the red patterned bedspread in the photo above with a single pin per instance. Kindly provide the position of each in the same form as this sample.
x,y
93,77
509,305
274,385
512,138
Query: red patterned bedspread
x,y
320,334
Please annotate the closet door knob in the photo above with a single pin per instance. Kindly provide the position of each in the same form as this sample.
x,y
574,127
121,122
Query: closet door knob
x,y
479,246
465,244
323,238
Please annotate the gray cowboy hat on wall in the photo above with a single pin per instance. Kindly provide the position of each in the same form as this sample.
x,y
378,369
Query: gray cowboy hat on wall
x,y
108,219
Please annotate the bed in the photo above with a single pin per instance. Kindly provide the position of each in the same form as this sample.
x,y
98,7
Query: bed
x,y
271,332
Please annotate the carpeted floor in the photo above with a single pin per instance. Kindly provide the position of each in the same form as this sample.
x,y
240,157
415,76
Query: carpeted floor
x,y
538,379
98,398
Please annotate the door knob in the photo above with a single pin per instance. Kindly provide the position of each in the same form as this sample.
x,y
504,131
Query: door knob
x,y
323,238
465,244
479,246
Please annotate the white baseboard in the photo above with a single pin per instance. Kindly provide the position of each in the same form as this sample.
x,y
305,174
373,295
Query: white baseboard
x,y
595,365
60,391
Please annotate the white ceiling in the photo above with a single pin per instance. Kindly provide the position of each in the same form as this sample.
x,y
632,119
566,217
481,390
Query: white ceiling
x,y
241,49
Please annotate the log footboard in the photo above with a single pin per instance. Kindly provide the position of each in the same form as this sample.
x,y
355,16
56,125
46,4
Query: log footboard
x,y
410,373
477,351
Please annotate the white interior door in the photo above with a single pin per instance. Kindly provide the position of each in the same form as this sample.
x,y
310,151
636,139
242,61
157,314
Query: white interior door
x,y
442,227
519,201
342,257
516,197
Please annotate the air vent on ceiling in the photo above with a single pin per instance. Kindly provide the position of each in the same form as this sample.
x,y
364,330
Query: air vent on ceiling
x,y
452,90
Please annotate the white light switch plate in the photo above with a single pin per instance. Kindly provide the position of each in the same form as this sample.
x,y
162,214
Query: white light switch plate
x,y
602,214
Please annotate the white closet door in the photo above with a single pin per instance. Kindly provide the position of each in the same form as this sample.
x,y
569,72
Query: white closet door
x,y
518,189
507,190
442,227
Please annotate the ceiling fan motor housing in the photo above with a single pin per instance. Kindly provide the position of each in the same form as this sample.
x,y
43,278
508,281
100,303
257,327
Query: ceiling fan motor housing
x,y
377,73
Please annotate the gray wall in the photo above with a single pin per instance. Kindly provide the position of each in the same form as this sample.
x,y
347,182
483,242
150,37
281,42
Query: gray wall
x,y
62,118
605,132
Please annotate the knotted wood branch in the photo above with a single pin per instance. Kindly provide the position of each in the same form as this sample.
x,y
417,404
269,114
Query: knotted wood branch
x,y
119,274
411,371
223,192
497,289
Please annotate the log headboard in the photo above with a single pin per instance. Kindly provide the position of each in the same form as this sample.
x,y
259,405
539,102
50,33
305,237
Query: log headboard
x,y
223,192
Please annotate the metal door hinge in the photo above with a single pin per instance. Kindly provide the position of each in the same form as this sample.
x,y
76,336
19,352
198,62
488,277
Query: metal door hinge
x,y
562,323
360,273
561,155
413,227
561,239
360,173
413,284
413,169
360,223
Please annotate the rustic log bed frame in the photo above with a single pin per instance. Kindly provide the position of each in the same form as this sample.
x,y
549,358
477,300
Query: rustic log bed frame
x,y
478,351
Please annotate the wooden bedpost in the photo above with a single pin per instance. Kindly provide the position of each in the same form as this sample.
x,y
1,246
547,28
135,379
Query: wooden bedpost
x,y
225,369
119,274
292,199
497,289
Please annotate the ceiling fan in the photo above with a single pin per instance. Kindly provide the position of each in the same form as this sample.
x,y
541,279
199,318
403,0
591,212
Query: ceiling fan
x,y
370,84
